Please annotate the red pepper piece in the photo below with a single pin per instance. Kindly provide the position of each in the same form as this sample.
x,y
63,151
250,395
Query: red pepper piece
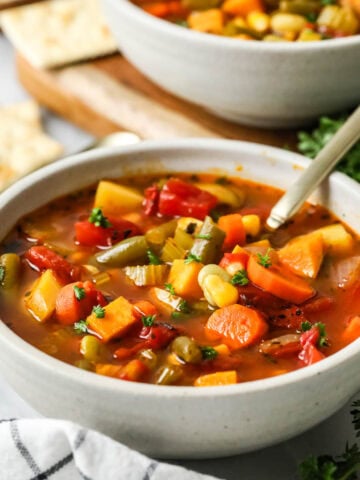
x,y
181,198
158,335
42,258
151,201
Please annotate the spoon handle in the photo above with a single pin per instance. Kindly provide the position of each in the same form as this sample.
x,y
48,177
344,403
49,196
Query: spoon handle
x,y
315,173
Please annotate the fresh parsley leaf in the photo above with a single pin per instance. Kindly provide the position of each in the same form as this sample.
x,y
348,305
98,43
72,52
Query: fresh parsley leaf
x,y
2,273
204,236
264,260
323,341
305,326
310,145
81,326
153,259
148,320
176,315
192,258
98,311
240,278
79,292
208,353
168,287
184,306
98,219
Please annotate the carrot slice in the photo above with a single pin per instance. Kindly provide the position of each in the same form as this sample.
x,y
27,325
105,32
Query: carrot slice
x,y
216,379
237,326
279,282
233,226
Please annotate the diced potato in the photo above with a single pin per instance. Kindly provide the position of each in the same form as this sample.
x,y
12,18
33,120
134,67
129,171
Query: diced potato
x,y
224,194
304,254
287,22
339,19
108,369
215,379
119,317
184,278
336,239
170,302
42,299
209,21
116,199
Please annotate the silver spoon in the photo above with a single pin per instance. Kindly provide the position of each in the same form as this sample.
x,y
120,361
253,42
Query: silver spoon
x,y
316,172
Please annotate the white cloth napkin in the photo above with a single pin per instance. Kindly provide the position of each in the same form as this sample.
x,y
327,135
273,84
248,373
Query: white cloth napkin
x,y
46,449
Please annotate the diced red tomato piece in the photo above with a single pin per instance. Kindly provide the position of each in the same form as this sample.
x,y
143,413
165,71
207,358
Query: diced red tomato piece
x,y
310,354
70,309
89,235
42,258
151,201
158,335
181,198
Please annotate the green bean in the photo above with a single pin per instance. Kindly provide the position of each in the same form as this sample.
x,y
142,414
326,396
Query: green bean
x,y
10,265
156,236
146,275
207,247
168,375
186,349
90,347
125,252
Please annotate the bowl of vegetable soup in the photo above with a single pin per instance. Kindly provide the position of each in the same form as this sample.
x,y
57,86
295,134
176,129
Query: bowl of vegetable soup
x,y
142,295
266,63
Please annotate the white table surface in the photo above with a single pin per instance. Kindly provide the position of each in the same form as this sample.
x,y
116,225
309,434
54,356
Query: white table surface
x,y
274,463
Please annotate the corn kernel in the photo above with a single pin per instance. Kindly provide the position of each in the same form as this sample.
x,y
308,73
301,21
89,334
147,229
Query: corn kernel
x,y
285,23
222,293
251,224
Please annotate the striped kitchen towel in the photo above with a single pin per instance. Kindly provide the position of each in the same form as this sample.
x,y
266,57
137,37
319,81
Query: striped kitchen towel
x,y
42,449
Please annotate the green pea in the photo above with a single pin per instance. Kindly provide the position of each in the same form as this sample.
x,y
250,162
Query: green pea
x,y
186,349
90,347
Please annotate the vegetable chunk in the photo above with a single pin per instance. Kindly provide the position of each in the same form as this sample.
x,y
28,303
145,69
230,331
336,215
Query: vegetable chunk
x,y
116,199
216,379
184,278
42,299
304,254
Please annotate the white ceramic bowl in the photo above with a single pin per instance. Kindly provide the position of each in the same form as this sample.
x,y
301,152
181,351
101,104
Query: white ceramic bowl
x,y
179,422
266,84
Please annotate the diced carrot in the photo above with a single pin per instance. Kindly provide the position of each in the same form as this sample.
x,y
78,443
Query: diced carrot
x,y
108,369
119,317
144,308
184,278
303,255
279,281
352,330
242,7
216,379
209,21
236,325
134,371
233,226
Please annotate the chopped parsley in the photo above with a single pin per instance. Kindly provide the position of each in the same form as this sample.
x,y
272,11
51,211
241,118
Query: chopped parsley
x,y
168,287
98,219
192,258
153,259
81,326
148,320
264,260
305,326
98,311
79,292
204,236
184,306
311,143
208,353
2,273
323,340
240,278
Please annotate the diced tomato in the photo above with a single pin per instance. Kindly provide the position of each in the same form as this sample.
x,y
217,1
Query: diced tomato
x,y
158,335
42,258
310,354
181,198
89,235
70,309
151,201
310,336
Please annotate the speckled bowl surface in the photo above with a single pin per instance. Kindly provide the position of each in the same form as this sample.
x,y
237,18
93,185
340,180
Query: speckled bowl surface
x,y
266,84
179,422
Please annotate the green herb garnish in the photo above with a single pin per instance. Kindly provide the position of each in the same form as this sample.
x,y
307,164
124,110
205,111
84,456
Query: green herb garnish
x,y
153,259
98,311
168,287
310,145
204,236
79,292
240,278
148,320
184,306
81,326
264,260
2,273
98,219
323,340
305,326
208,353
192,258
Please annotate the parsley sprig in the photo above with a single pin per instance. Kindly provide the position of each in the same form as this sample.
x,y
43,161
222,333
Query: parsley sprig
x,y
339,467
81,326
323,339
169,288
264,260
98,219
79,292
310,144
240,278
208,353
148,320
98,311
192,258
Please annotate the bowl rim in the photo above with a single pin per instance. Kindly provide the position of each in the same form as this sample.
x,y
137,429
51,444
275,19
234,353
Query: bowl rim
x,y
117,386
217,41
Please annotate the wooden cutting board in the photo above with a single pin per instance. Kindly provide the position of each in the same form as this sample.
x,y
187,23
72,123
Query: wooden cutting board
x,y
109,94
